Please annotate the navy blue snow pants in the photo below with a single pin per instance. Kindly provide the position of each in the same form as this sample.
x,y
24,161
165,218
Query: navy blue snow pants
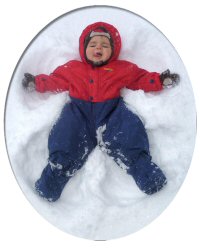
x,y
74,136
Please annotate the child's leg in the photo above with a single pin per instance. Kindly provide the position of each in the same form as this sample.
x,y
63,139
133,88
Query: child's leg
x,y
127,142
70,143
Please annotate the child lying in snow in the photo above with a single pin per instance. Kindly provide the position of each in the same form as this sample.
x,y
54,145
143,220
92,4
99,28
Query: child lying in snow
x,y
94,86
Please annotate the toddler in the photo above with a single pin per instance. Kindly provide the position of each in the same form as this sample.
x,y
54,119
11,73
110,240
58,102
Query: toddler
x,y
94,86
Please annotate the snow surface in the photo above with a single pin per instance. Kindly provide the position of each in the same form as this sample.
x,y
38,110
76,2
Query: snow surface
x,y
101,201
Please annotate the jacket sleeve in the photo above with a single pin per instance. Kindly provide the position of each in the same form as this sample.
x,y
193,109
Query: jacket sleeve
x,y
57,81
141,79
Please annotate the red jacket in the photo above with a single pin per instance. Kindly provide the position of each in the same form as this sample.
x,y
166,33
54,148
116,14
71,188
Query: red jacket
x,y
98,84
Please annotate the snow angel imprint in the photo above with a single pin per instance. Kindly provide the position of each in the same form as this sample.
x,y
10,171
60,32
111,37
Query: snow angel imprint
x,y
94,86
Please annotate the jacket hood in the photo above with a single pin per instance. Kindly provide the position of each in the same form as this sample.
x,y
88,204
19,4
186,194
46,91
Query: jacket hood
x,y
113,32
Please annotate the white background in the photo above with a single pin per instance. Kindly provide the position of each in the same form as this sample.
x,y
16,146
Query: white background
x,y
21,226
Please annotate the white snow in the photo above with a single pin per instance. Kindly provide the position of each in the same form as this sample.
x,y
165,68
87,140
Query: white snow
x,y
101,201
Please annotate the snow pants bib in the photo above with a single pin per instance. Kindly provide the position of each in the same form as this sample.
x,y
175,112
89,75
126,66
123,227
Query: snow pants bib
x,y
74,136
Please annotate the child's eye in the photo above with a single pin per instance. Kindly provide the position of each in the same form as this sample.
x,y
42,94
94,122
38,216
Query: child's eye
x,y
105,45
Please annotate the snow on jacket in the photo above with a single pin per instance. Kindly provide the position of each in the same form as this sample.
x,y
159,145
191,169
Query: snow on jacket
x,y
98,84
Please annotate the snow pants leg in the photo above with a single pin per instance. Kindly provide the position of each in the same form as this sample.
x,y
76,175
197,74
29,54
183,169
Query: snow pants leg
x,y
74,136
127,142
70,142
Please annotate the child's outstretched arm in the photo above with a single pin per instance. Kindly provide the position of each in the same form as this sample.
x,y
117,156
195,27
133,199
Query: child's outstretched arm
x,y
57,81
151,81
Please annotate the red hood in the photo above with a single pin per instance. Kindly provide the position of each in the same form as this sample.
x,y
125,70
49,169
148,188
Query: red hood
x,y
113,33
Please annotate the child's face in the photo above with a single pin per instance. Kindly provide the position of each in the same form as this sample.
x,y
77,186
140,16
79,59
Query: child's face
x,y
98,49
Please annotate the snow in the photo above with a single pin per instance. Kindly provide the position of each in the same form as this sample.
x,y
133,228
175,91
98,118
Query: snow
x,y
101,201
